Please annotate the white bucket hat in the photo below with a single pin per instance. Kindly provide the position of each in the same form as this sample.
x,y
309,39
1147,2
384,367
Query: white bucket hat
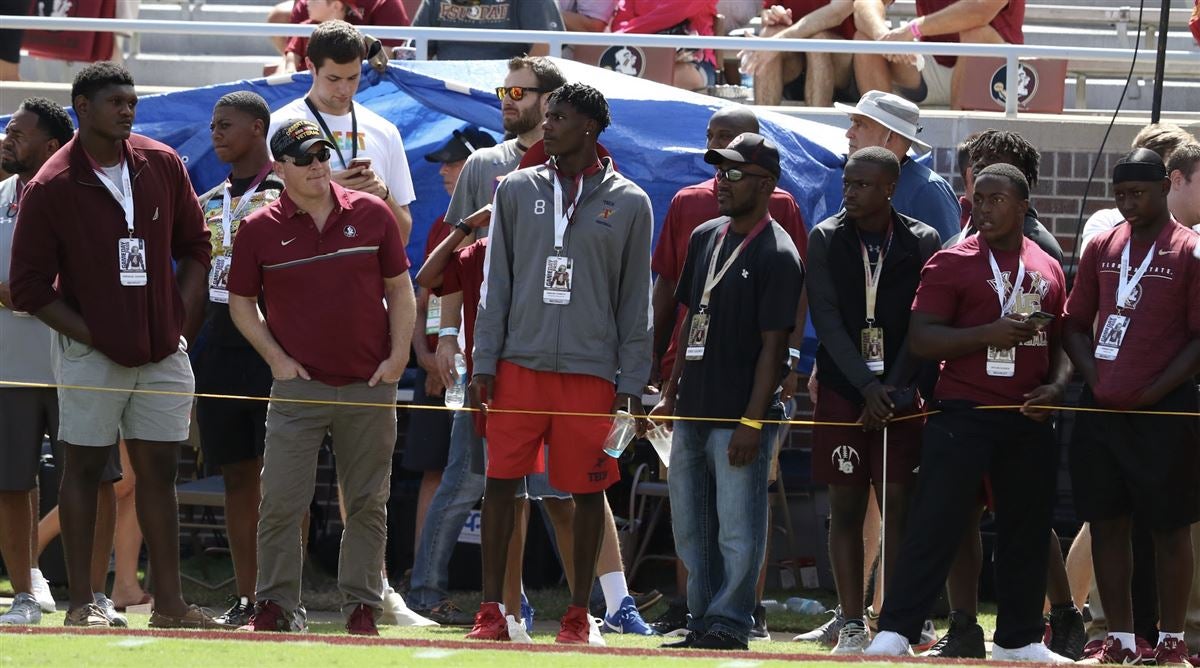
x,y
891,111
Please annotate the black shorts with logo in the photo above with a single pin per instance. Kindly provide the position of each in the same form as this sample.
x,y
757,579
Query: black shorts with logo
x,y
1147,465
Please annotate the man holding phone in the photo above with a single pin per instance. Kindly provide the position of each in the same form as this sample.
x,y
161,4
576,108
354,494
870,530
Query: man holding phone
x,y
368,150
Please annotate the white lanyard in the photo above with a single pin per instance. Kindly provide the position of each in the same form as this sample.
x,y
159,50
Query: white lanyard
x,y
1007,302
714,277
872,278
1125,284
123,197
563,218
228,217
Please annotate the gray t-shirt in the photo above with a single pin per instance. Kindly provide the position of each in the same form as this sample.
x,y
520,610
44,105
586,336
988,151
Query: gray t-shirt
x,y
486,15
477,183
602,10
24,340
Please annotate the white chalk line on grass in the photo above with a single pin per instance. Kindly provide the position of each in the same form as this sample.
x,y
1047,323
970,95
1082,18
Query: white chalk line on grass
x,y
433,653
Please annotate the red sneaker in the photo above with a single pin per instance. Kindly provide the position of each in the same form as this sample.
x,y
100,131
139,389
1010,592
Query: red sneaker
x,y
489,624
268,616
362,621
1110,651
575,626
1172,652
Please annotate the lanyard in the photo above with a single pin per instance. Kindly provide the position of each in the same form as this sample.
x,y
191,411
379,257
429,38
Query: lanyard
x,y
564,216
1125,284
332,140
1007,302
228,217
871,278
124,196
714,277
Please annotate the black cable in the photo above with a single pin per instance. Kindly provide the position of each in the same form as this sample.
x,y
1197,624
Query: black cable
x,y
1087,188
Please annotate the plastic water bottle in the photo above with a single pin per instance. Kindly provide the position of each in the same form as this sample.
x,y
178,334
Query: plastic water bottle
x,y
804,606
456,395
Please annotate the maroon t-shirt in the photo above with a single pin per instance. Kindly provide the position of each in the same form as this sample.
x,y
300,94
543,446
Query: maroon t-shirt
x,y
325,287
957,284
1165,314
802,8
1007,22
437,233
695,205
464,273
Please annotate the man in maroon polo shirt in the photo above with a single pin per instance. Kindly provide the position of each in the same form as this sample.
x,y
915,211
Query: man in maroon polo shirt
x,y
98,229
325,258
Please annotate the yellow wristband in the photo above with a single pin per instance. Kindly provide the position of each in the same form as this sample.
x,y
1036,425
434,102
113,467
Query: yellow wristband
x,y
753,424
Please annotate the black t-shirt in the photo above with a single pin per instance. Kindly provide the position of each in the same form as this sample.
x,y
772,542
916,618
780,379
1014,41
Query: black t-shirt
x,y
758,294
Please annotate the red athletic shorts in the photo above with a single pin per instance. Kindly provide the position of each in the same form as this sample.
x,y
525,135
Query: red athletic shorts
x,y
851,456
577,462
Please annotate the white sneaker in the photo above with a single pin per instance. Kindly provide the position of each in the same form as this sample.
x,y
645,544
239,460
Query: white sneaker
x,y
41,590
889,643
25,611
1034,652
595,638
852,639
516,630
397,613
115,619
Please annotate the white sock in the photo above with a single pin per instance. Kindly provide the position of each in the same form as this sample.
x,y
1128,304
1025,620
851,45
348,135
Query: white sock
x,y
503,612
1126,639
615,590
1163,635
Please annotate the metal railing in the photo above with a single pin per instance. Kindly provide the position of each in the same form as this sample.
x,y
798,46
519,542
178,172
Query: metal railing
x,y
1011,53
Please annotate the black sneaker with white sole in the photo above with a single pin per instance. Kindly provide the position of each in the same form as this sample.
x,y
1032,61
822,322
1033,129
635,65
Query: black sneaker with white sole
x,y
673,622
963,639
1067,634
721,640
239,613
759,632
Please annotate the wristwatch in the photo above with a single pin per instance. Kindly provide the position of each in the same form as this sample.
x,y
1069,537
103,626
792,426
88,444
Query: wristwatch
x,y
464,227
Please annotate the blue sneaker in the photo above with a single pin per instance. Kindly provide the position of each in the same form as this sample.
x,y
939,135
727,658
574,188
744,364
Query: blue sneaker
x,y
527,613
627,619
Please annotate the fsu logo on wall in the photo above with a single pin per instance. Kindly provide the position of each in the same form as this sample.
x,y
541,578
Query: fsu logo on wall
x,y
1027,84
624,59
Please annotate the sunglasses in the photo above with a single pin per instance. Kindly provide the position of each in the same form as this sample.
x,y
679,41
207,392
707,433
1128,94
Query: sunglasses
x,y
733,175
323,156
517,93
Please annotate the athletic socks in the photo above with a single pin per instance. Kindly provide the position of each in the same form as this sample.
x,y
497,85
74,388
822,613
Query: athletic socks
x,y
615,590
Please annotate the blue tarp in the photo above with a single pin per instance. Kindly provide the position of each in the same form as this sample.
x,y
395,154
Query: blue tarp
x,y
657,136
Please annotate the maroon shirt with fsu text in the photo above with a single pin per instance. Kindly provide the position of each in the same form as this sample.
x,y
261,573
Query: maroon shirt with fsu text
x,y
957,284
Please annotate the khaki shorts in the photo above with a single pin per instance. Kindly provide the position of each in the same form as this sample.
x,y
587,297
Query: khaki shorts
x,y
937,82
97,418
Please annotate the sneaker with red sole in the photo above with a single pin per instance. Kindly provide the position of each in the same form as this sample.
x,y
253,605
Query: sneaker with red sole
x,y
1110,651
576,626
1172,652
268,616
489,624
362,621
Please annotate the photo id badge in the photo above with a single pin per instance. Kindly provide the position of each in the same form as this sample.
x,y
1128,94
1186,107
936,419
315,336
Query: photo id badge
x,y
1111,336
872,349
131,261
433,315
1001,362
557,289
218,280
697,337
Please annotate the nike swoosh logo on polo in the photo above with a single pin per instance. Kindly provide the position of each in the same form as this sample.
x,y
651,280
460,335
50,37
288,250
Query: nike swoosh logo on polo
x,y
284,243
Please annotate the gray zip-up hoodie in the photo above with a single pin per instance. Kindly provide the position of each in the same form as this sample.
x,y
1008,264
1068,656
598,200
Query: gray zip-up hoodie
x,y
605,329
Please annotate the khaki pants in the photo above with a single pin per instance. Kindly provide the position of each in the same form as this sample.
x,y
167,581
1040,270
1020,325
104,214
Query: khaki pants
x,y
363,440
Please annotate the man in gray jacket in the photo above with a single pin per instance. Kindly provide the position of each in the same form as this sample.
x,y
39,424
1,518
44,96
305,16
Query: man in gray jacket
x,y
563,315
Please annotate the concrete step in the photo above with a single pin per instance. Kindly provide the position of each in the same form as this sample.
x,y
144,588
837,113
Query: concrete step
x,y
1104,94
13,92
1042,35
189,71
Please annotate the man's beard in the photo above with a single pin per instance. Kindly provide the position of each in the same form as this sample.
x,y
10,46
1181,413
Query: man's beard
x,y
527,121
14,166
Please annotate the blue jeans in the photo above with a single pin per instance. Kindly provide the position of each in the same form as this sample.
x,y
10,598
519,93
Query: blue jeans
x,y
719,515
457,494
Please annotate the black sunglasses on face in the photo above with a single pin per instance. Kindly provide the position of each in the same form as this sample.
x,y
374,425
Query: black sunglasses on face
x,y
517,93
733,174
323,156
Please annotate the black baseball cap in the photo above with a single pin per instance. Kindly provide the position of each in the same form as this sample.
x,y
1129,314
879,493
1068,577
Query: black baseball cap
x,y
460,145
295,137
747,148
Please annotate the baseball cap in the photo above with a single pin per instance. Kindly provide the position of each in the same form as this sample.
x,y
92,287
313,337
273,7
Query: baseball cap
x,y
295,137
889,110
750,149
460,145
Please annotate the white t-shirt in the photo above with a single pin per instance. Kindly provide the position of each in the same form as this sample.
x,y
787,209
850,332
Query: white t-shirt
x,y
377,139
1101,221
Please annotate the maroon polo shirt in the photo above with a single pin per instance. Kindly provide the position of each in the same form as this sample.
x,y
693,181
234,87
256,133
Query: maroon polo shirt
x,y
325,288
464,273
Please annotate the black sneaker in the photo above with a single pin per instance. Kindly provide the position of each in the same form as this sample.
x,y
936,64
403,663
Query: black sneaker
x,y
1067,635
447,614
718,639
963,640
238,614
673,622
689,640
759,631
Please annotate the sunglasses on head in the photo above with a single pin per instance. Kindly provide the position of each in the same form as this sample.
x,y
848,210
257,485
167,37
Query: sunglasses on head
x,y
323,156
733,174
517,93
